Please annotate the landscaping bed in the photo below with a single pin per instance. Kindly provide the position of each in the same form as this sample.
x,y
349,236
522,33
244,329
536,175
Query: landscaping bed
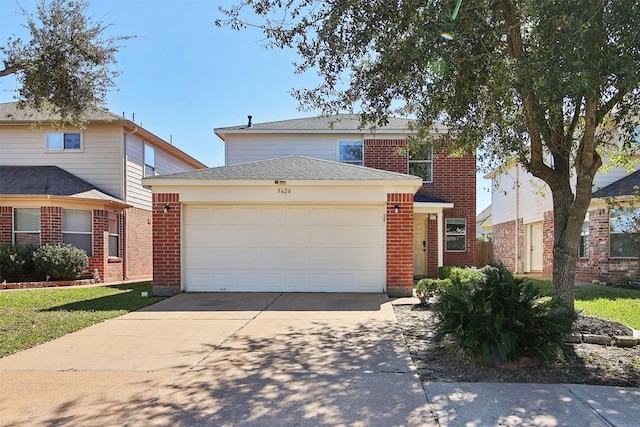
x,y
592,363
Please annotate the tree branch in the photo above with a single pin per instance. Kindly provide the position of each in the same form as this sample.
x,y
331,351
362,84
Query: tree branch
x,y
9,70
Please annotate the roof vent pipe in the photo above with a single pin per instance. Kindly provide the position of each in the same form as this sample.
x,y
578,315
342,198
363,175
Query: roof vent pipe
x,y
249,124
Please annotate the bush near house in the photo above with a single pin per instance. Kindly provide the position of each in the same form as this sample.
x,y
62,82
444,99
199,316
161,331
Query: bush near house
x,y
498,318
427,288
60,262
16,261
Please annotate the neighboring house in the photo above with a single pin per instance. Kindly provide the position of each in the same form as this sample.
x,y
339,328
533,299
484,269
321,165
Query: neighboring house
x,y
315,204
522,223
83,187
484,226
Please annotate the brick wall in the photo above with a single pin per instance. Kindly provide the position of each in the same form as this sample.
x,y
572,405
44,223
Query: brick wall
x,y
50,225
400,245
100,252
139,261
386,154
6,225
547,242
166,244
454,180
505,249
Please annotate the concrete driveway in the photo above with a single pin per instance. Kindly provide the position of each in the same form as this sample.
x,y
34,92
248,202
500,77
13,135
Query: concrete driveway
x,y
224,360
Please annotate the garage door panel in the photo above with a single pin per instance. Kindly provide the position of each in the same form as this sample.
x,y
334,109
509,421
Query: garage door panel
x,y
284,248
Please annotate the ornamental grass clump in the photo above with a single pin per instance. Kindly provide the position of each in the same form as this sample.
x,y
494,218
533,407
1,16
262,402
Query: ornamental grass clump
x,y
499,319
60,262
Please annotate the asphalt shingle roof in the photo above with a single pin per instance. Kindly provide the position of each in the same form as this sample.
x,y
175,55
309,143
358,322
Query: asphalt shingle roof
x,y
627,186
291,167
49,181
336,122
9,112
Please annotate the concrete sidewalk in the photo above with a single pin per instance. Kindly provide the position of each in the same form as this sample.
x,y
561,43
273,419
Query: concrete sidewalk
x,y
270,360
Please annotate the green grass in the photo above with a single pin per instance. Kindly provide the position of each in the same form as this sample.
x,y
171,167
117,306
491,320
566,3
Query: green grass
x,y
604,302
31,317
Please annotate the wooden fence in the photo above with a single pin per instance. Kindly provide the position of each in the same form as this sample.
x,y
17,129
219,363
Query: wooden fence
x,y
484,252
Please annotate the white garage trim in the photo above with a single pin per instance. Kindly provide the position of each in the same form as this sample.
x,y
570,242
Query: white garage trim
x,y
284,247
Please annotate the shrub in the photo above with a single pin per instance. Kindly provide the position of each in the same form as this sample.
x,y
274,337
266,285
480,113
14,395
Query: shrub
x,y
499,318
15,260
60,262
426,288
465,276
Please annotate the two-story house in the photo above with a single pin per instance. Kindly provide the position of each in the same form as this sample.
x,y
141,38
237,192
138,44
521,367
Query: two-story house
x,y
83,187
522,222
315,204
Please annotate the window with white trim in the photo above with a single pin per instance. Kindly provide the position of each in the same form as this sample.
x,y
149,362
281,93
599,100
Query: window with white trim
x,y
421,161
351,152
623,228
456,234
77,229
59,141
114,235
584,238
149,160
26,226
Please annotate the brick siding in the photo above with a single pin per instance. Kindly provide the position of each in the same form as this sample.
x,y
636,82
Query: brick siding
x,y
386,154
6,225
166,244
139,261
50,225
400,245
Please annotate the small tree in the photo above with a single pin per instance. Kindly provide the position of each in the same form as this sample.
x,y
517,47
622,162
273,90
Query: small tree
x,y
66,66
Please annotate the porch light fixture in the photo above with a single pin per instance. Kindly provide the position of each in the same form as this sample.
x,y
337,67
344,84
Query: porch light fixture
x,y
396,208
166,208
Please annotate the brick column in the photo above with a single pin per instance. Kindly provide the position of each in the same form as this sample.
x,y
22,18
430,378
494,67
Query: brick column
x,y
6,225
51,225
400,245
547,239
166,244
100,240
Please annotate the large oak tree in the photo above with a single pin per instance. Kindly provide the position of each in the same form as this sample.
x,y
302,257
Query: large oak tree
x,y
66,66
545,82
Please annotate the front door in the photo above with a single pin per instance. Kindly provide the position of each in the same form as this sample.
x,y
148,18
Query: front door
x,y
537,245
420,246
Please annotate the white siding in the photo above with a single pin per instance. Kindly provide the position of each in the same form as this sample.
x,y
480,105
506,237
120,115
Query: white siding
x,y
99,162
250,148
137,195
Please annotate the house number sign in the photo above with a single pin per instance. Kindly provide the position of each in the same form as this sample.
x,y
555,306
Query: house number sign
x,y
284,191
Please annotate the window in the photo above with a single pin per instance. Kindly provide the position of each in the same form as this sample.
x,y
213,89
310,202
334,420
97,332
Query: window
x,y
76,229
421,161
456,234
26,226
584,239
149,160
57,141
114,236
351,152
623,229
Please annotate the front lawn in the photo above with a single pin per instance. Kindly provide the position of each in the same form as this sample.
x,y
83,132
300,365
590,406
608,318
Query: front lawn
x,y
34,316
604,302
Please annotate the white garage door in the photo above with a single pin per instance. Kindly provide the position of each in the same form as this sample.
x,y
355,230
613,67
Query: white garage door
x,y
284,248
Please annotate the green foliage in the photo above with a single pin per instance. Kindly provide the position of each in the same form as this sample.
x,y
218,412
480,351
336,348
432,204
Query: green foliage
x,y
465,276
427,288
444,271
503,319
60,262
65,68
15,260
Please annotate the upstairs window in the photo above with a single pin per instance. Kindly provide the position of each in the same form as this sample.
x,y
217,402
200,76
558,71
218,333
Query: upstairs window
x,y
77,229
26,226
456,238
421,161
149,161
58,141
351,152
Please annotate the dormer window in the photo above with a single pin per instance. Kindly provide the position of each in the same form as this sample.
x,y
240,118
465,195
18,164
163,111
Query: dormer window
x,y
351,152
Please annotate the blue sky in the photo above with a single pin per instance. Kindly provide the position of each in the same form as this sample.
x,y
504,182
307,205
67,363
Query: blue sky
x,y
182,76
